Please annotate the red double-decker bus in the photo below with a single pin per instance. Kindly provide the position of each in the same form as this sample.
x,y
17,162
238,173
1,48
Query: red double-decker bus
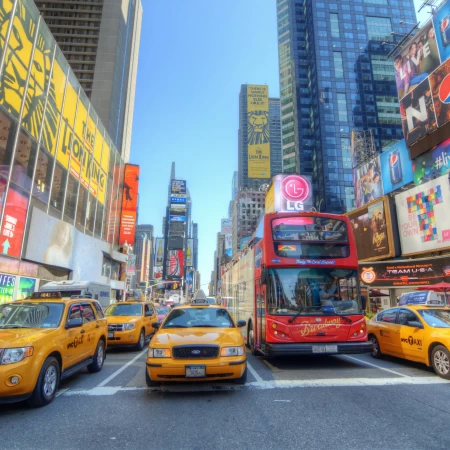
x,y
296,284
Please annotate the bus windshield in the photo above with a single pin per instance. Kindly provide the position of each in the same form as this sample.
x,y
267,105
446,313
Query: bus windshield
x,y
310,291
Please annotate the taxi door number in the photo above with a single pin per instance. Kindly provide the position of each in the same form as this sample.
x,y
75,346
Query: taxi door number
x,y
195,371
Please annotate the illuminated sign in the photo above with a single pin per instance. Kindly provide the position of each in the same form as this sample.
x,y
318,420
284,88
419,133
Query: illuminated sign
x,y
289,193
129,205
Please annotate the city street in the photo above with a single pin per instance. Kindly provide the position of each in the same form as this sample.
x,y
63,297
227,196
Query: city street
x,y
339,402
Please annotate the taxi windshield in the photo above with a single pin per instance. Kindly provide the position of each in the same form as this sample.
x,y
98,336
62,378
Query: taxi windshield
x,y
30,315
163,310
198,317
124,310
436,318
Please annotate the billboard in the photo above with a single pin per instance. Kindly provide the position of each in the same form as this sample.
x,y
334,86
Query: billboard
x,y
367,181
289,193
423,217
372,228
159,252
432,164
396,167
175,263
175,243
177,209
228,245
258,134
243,242
405,273
190,253
178,187
177,199
181,219
129,204
442,27
226,226
7,285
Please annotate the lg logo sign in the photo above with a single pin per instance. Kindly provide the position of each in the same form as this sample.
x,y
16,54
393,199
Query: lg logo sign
x,y
295,189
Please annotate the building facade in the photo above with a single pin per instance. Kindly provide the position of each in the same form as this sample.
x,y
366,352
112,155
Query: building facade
x,y
101,40
61,178
245,180
334,77
195,238
144,252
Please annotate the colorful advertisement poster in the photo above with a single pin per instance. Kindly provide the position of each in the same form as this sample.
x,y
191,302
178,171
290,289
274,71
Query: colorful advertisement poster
x,y
158,272
368,182
432,164
441,19
290,193
189,252
190,282
178,187
26,287
228,245
175,263
423,217
410,272
226,226
258,134
177,209
396,167
243,242
440,89
129,205
370,228
7,285
419,57
181,219
417,111
13,222
159,252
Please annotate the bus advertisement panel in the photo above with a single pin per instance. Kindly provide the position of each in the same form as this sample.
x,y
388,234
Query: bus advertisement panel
x,y
297,287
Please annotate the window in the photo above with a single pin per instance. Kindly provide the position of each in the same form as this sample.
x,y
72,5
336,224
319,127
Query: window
x,y
71,198
82,206
377,2
88,314
388,316
334,22
75,312
58,187
338,66
382,69
7,133
405,316
342,107
24,161
99,310
379,28
43,176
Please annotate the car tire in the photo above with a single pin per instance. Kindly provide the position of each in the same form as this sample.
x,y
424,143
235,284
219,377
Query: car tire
x,y
149,381
243,379
141,341
99,358
440,361
376,352
251,341
47,383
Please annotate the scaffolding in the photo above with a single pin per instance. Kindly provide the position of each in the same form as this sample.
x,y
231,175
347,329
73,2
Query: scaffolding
x,y
363,147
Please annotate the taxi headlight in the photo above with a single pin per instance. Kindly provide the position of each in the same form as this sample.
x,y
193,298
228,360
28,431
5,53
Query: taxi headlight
x,y
232,351
158,352
129,326
14,355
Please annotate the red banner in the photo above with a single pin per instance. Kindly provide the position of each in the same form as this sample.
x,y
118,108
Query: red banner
x,y
13,223
129,204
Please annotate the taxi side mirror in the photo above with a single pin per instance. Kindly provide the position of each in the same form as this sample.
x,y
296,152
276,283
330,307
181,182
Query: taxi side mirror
x,y
414,324
156,325
75,323
241,323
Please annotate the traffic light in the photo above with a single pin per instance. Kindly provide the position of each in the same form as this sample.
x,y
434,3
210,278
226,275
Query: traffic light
x,y
175,286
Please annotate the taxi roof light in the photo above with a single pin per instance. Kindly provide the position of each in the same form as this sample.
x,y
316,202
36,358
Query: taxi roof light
x,y
36,295
425,298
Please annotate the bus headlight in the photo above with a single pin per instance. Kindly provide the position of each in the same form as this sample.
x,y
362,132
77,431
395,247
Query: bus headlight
x,y
232,351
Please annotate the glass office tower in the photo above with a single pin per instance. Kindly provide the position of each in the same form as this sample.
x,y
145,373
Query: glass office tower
x,y
334,77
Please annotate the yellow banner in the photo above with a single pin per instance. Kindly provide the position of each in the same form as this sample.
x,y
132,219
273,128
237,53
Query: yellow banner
x,y
258,134
270,199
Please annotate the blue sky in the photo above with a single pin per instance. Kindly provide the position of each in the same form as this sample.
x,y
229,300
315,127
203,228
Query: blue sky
x,y
194,56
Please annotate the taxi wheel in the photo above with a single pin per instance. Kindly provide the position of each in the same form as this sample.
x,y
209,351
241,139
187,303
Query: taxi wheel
x,y
99,358
47,383
440,360
149,381
243,378
141,342
376,352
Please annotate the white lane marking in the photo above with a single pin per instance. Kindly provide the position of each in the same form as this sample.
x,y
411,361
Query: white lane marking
x,y
283,401
61,391
272,384
119,371
254,373
378,367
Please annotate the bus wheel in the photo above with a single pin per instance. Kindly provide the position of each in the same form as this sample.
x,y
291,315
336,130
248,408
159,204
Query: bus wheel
x,y
251,340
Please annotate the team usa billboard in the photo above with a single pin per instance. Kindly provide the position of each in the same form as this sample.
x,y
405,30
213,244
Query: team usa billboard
x,y
422,74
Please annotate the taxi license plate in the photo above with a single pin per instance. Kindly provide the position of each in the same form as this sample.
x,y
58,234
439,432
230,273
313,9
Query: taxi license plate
x,y
324,349
110,334
195,371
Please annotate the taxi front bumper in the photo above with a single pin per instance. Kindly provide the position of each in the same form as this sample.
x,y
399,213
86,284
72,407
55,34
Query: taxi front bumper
x,y
126,337
162,369
331,348
23,370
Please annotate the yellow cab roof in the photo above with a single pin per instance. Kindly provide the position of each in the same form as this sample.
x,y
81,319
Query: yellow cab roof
x,y
419,307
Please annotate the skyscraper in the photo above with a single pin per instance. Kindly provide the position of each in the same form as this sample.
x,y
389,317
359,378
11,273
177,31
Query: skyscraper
x,y
195,237
144,246
334,77
101,42
270,125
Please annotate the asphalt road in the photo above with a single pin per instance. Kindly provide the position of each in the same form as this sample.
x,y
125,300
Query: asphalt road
x,y
313,403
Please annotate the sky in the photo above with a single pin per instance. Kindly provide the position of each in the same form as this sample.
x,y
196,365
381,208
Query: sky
x,y
194,56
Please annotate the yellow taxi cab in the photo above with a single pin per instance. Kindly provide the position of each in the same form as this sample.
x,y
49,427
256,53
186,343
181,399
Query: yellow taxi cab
x,y
130,323
418,330
197,342
45,339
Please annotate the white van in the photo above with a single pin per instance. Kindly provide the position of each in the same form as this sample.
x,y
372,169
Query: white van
x,y
98,291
